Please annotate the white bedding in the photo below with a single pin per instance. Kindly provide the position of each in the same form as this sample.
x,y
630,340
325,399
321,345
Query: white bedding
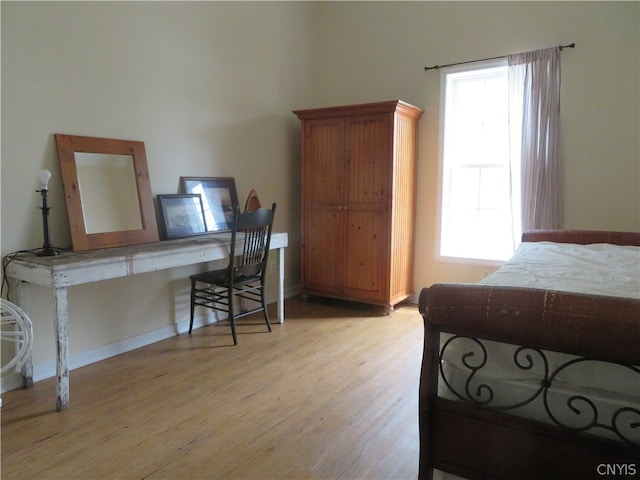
x,y
600,269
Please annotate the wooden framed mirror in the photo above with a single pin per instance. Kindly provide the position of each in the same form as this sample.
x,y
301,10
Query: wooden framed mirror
x,y
107,191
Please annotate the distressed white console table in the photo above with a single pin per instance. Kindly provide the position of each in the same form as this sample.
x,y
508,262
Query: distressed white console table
x,y
76,268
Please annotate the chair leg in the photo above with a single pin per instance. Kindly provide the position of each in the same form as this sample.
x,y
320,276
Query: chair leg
x,y
232,320
264,308
193,305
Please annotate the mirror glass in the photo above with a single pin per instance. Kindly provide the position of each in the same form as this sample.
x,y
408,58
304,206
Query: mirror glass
x,y
99,175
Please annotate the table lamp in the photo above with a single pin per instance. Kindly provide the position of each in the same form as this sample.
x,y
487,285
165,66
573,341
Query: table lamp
x,y
46,250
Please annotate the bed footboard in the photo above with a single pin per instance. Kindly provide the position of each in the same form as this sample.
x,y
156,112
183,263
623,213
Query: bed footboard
x,y
466,438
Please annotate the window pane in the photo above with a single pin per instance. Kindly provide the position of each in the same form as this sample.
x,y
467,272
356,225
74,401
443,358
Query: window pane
x,y
494,189
476,217
465,188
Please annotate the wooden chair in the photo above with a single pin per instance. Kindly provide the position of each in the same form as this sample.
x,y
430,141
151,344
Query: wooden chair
x,y
244,277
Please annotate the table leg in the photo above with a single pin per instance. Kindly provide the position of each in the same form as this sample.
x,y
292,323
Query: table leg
x,y
62,345
281,285
20,299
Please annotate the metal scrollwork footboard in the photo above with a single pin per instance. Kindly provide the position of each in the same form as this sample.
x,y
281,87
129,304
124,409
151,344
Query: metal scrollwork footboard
x,y
578,411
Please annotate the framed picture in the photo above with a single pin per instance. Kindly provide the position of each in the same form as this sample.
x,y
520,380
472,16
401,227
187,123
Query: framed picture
x,y
181,215
219,198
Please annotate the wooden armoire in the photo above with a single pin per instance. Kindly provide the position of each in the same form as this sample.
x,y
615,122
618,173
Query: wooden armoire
x,y
358,201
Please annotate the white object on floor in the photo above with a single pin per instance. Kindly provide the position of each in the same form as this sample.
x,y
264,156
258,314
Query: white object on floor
x,y
16,328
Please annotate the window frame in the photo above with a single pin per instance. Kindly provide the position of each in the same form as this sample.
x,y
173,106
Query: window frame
x,y
483,65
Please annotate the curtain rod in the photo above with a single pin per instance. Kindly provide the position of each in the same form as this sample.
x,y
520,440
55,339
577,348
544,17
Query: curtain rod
x,y
436,67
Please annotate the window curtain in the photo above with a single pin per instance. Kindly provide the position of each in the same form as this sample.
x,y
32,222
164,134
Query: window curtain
x,y
534,119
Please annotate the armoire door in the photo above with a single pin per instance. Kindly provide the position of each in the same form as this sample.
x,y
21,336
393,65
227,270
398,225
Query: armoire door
x,y
368,157
323,220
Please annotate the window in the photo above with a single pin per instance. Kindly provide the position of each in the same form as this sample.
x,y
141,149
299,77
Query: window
x,y
478,213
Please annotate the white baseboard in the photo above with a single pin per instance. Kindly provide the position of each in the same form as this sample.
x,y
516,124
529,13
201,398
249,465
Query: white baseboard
x,y
10,382
48,370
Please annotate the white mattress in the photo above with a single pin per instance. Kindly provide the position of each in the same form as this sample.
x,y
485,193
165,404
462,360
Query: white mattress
x,y
600,269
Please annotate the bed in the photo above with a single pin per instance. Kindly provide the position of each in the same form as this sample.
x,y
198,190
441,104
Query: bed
x,y
522,379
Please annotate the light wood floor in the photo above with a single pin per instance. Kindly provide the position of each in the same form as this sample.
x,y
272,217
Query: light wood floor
x,y
330,394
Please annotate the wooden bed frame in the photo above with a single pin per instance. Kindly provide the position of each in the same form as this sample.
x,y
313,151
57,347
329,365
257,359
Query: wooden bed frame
x,y
476,443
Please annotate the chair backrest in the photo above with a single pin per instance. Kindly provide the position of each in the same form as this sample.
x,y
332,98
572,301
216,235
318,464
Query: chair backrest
x,y
256,228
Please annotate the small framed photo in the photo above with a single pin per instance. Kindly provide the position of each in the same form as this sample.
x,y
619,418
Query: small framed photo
x,y
181,215
219,199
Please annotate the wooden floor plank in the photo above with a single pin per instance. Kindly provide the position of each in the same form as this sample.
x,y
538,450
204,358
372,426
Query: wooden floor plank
x,y
331,393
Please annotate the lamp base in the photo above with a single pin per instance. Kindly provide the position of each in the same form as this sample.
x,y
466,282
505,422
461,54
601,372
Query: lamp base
x,y
47,252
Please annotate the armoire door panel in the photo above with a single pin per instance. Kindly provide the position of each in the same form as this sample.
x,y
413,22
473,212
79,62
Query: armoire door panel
x,y
323,251
368,158
366,255
324,152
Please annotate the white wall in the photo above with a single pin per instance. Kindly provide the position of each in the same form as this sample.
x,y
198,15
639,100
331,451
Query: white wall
x,y
377,50
209,87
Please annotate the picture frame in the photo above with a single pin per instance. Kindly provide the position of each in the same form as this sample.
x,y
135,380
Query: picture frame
x,y
182,215
107,191
219,199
